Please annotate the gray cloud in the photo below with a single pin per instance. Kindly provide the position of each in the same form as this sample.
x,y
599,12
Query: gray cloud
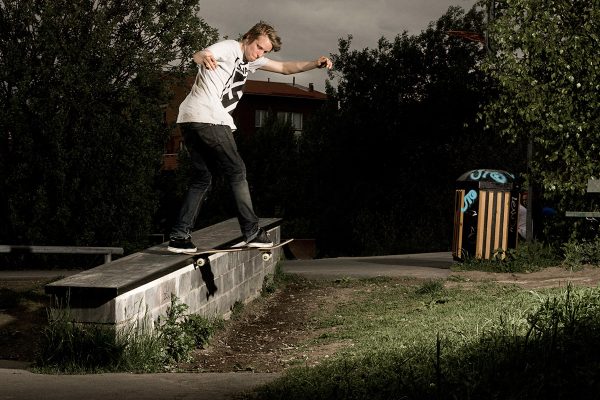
x,y
310,28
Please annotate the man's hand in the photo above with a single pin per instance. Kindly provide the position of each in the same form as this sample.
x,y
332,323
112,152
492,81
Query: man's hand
x,y
206,59
324,62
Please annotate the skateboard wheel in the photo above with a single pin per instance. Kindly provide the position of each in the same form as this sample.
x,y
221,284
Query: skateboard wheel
x,y
200,262
266,257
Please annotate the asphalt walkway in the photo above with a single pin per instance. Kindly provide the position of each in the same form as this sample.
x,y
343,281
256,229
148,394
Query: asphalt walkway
x,y
18,383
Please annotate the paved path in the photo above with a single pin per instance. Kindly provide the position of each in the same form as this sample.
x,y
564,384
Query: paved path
x,y
24,385
426,265
18,383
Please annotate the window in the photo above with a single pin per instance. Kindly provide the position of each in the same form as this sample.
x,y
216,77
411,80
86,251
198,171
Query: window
x,y
294,118
260,117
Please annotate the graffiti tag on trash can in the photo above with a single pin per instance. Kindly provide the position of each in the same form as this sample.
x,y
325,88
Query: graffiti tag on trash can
x,y
469,199
497,176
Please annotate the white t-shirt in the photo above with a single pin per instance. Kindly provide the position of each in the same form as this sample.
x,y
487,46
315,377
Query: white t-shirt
x,y
215,94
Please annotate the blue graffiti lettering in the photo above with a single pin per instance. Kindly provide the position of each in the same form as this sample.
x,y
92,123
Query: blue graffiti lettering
x,y
497,176
469,199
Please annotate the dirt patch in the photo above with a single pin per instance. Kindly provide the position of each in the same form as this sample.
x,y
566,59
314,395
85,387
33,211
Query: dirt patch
x,y
270,334
23,307
273,332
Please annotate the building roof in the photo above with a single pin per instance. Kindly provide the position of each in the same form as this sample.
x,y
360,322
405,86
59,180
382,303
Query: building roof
x,y
281,89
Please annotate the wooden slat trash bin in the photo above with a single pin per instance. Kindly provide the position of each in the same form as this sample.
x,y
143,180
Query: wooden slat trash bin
x,y
485,214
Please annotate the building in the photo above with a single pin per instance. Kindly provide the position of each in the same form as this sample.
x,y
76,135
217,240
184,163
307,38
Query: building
x,y
288,101
291,102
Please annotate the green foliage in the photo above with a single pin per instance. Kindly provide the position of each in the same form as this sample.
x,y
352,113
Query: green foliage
x,y
237,309
527,257
71,347
178,341
578,253
544,61
180,333
82,132
431,287
399,111
275,171
201,328
273,281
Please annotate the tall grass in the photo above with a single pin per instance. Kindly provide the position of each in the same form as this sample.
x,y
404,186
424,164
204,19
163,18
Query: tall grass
x,y
527,257
71,347
578,253
428,342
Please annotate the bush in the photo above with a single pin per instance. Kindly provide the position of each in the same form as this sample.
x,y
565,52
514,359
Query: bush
x,y
180,333
578,253
72,347
525,258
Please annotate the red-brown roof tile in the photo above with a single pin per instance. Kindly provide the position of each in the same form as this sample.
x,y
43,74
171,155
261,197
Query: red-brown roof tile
x,y
267,88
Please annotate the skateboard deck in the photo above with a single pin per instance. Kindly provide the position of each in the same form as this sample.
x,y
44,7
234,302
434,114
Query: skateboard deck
x,y
201,257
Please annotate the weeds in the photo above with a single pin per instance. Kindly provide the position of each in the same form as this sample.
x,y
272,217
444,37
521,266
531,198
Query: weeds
x,y
181,333
431,287
577,253
175,334
536,256
72,347
236,310
525,258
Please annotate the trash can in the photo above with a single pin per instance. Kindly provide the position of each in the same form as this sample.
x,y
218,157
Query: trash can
x,y
485,214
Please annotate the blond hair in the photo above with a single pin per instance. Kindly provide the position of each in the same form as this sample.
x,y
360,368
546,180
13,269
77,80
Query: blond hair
x,y
262,28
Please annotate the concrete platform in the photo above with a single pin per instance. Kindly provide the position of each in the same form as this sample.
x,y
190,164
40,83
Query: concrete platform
x,y
137,289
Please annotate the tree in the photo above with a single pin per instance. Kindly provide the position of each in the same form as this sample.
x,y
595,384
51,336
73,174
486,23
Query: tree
x,y
546,64
405,130
81,135
272,162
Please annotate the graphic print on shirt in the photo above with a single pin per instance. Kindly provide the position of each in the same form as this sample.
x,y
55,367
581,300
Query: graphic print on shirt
x,y
234,87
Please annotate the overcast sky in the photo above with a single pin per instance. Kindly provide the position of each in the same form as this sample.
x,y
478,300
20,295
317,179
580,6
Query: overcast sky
x,y
311,28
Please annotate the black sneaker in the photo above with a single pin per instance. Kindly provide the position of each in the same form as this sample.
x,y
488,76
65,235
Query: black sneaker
x,y
182,246
261,240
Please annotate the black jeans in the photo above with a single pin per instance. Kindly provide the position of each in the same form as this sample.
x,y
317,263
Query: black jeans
x,y
213,146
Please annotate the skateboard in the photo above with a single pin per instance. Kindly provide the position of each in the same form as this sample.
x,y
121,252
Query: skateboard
x,y
201,257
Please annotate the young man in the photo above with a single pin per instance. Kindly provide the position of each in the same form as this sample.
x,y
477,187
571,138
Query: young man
x,y
207,126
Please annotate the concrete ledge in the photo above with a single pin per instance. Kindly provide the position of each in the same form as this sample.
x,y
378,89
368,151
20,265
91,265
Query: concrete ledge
x,y
21,249
139,286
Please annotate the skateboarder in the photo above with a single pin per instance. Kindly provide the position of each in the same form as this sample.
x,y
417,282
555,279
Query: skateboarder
x,y
207,126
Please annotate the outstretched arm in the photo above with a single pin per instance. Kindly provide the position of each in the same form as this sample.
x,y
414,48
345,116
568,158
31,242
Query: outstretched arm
x,y
293,67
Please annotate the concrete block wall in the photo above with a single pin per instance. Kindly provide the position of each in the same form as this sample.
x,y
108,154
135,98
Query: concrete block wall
x,y
238,277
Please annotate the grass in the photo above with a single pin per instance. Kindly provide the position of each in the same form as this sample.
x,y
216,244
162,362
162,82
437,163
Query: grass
x,y
68,347
427,341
